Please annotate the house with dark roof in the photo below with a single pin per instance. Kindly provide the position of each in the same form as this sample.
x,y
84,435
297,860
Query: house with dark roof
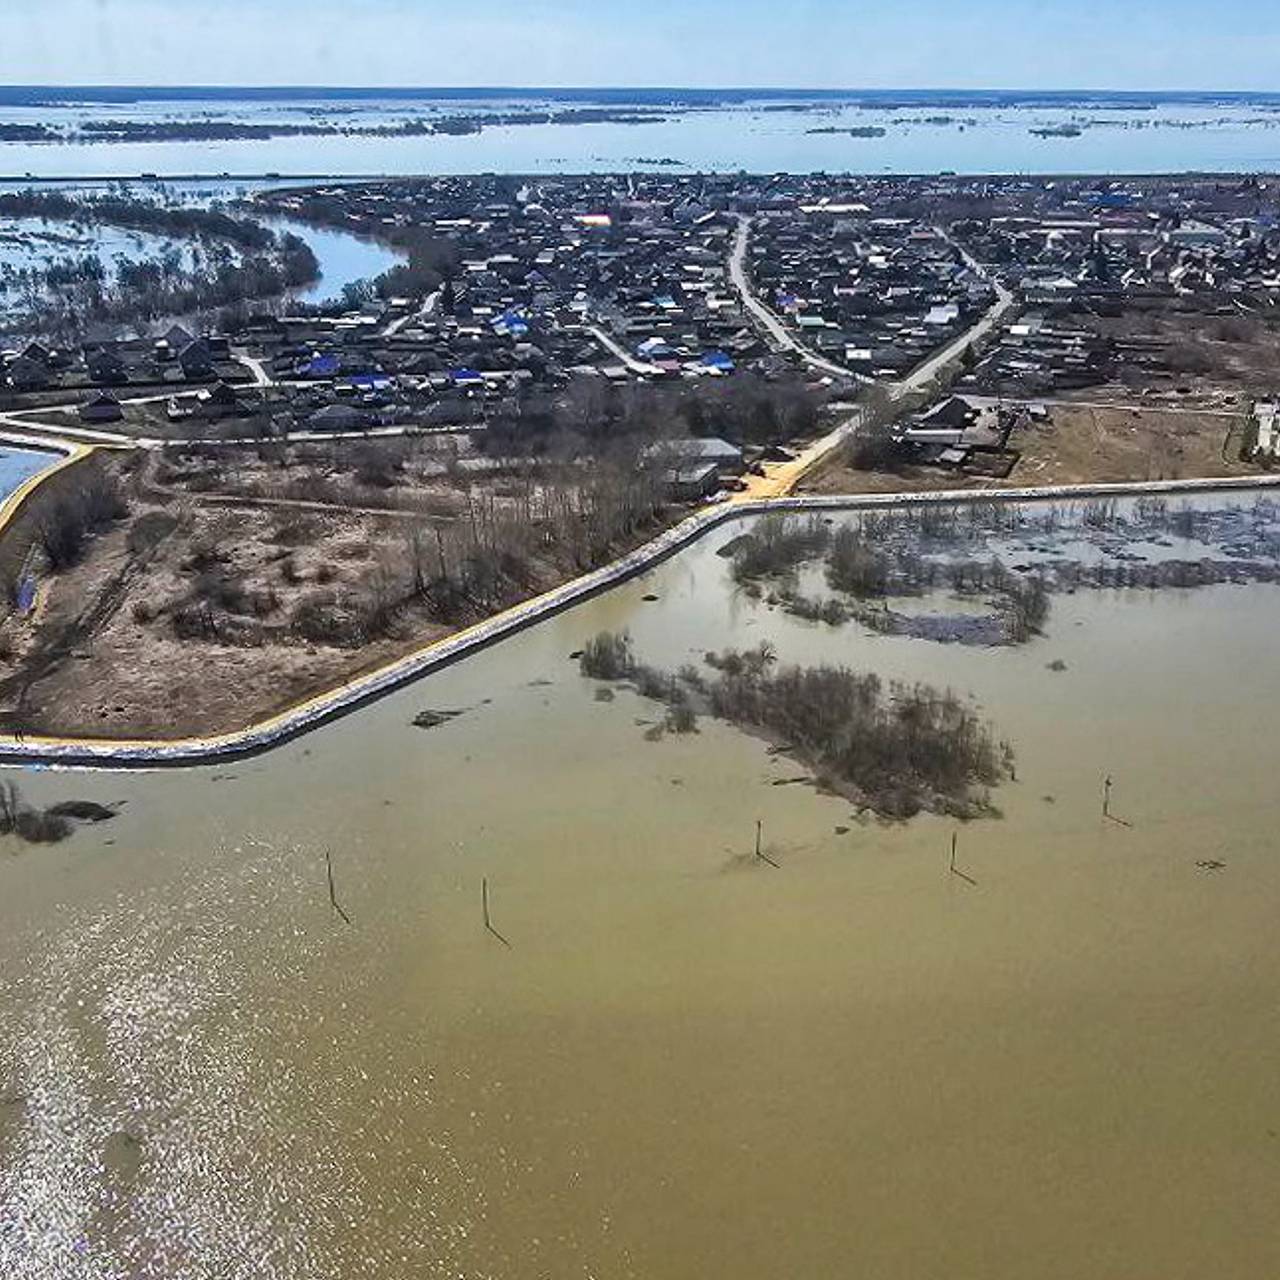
x,y
38,352
338,417
219,401
102,406
27,374
196,359
104,364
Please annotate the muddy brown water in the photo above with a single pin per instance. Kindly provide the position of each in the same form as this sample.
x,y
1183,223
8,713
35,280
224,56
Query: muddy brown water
x,y
686,1063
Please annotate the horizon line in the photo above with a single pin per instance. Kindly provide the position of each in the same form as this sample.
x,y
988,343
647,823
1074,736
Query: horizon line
x,y
300,87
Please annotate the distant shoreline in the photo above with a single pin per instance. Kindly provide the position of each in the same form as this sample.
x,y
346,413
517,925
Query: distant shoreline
x,y
37,95
1065,175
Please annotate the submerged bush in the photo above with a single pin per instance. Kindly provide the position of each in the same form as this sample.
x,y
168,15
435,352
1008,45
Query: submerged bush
x,y
607,656
777,545
855,568
912,749
1026,608
46,826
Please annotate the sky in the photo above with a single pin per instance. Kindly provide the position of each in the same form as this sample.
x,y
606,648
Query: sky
x,y
1016,44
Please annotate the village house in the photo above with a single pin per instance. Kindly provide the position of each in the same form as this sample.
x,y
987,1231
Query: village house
x,y
102,406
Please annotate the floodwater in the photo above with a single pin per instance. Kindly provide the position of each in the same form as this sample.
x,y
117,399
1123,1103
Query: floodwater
x,y
33,242
982,136
19,465
343,258
685,1062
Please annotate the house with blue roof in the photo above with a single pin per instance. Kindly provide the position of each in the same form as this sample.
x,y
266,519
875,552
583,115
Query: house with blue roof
x,y
512,324
320,365
717,362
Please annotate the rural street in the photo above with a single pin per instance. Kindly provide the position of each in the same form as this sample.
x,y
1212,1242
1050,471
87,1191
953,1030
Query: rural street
x,y
782,477
615,348
766,318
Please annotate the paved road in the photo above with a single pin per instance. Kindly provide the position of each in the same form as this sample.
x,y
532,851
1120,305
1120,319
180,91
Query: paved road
x,y
777,331
261,378
421,314
48,434
925,372
782,477
51,435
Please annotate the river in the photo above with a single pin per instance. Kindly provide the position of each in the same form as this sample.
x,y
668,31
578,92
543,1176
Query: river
x,y
344,259
685,1062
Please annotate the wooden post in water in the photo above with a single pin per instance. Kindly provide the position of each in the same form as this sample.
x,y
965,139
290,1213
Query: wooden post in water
x,y
1106,806
333,895
761,856
484,902
953,869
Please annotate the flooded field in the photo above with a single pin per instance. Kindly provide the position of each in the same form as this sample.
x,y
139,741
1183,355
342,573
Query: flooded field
x,y
32,244
866,133
667,1057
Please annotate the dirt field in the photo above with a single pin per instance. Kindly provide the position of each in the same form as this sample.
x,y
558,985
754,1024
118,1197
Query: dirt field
x,y
105,654
228,593
1080,444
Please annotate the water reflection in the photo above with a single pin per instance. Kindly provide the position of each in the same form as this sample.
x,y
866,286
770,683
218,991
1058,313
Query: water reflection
x,y
853,1064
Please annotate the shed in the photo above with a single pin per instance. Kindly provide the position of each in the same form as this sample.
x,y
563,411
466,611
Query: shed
x,y
691,481
27,374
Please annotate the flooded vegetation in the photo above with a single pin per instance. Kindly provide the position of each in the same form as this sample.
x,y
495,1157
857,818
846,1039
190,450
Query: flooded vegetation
x,y
30,824
259,1024
896,751
193,260
1010,558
